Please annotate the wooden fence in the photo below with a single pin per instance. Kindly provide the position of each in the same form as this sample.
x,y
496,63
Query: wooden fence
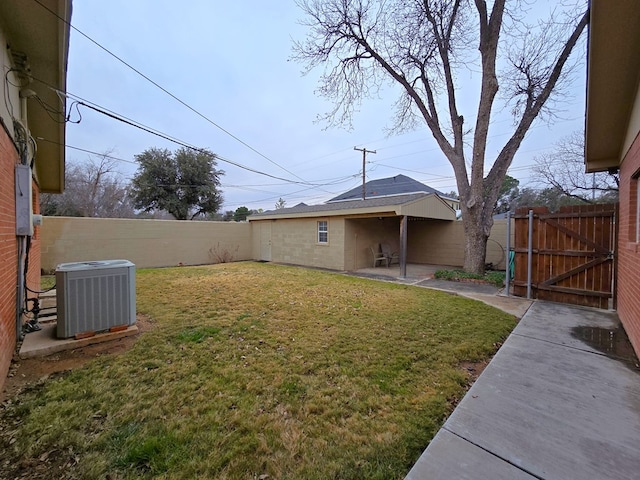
x,y
572,254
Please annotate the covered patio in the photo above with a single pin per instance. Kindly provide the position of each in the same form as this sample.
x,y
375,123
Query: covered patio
x,y
415,272
347,235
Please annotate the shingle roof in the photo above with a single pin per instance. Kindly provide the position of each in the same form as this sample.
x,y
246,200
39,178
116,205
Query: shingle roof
x,y
345,205
383,187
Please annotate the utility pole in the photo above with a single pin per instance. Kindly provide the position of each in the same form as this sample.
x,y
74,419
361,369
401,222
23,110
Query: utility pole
x,y
364,161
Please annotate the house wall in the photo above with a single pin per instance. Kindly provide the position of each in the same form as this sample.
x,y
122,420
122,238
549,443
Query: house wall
x,y
9,158
294,241
146,243
628,275
8,253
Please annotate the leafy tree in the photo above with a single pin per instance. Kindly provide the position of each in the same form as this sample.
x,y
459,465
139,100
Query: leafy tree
x,y
281,203
185,183
564,170
452,194
508,194
241,214
551,198
426,48
93,188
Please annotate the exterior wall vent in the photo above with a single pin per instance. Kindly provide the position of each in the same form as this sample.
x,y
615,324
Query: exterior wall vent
x,y
95,296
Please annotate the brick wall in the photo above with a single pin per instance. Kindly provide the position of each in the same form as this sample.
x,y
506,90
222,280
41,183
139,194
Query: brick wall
x,y
8,252
628,278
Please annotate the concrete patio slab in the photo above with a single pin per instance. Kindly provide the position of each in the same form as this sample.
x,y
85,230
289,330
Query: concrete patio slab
x,y
475,463
44,342
422,276
548,404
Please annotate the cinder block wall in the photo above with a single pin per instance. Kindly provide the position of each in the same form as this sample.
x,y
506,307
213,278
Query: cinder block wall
x,y
146,243
295,241
366,233
439,242
435,242
628,281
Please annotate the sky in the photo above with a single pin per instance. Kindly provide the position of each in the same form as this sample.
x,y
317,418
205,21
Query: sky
x,y
248,102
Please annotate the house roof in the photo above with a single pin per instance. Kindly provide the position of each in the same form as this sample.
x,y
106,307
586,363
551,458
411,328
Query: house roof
x,y
383,187
423,205
613,72
40,30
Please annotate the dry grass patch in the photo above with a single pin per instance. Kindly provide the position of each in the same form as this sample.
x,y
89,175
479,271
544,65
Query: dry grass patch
x,y
261,371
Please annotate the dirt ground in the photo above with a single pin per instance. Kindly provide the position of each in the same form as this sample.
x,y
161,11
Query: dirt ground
x,y
25,372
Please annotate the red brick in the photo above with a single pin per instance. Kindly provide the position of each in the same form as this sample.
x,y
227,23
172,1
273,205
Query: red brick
x,y
9,253
628,275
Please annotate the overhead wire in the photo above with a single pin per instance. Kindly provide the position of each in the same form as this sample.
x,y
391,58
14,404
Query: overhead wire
x,y
182,143
124,119
182,102
80,101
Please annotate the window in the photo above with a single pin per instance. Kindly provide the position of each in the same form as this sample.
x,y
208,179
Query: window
x,y
323,232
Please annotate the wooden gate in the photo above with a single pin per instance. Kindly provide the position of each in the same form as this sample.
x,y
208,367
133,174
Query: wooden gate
x,y
572,254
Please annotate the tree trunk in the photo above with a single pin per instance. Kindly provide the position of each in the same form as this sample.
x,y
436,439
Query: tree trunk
x,y
475,245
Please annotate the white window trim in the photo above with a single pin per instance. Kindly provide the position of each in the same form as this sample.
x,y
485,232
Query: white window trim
x,y
325,231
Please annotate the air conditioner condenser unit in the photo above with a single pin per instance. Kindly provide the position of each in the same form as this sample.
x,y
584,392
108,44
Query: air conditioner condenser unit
x,y
95,296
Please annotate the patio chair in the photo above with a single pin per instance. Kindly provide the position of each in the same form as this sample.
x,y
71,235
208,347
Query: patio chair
x,y
392,257
378,256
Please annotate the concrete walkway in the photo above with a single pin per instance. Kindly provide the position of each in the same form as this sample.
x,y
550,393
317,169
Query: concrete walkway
x,y
560,400
422,276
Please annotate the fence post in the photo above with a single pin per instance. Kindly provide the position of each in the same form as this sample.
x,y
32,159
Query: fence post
x,y
530,254
507,279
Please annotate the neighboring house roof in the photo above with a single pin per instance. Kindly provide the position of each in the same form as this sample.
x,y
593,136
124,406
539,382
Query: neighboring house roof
x,y
421,205
40,30
612,80
384,187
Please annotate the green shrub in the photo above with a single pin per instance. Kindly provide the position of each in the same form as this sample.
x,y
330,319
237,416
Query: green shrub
x,y
493,277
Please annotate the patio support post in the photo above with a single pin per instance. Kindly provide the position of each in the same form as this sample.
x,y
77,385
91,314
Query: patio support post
x,y
403,246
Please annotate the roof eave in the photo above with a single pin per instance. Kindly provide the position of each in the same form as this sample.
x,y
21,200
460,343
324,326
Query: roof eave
x,y
612,80
44,38
390,210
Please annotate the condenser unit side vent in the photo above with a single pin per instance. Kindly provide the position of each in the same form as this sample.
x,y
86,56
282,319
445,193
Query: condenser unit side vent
x,y
95,296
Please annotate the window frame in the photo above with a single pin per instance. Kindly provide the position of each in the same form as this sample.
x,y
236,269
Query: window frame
x,y
320,232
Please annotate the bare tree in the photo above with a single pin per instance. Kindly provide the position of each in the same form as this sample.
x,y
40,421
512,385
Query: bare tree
x,y
93,188
563,169
425,47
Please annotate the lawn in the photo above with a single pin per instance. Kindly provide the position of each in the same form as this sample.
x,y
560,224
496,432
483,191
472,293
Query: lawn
x,y
259,371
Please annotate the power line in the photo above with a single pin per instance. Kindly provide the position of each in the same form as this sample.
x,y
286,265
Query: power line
x,y
41,139
197,112
164,136
318,183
